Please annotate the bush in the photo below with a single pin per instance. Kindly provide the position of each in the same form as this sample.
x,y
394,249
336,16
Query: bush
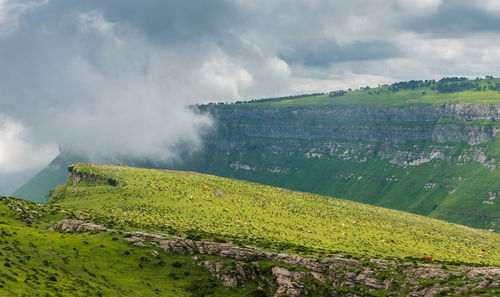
x,y
201,286
177,264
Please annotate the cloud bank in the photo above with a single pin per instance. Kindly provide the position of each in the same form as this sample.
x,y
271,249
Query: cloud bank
x,y
115,77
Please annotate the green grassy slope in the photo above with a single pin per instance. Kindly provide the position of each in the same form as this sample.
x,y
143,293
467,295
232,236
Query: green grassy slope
x,y
382,96
38,262
205,206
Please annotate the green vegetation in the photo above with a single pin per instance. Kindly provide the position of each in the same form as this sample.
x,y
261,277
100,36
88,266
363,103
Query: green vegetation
x,y
483,91
454,189
38,262
204,206
455,180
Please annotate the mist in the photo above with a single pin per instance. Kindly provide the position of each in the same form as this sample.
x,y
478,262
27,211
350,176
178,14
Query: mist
x,y
101,88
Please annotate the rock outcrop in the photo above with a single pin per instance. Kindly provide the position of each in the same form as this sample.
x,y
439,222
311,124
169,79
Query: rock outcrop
x,y
293,275
78,226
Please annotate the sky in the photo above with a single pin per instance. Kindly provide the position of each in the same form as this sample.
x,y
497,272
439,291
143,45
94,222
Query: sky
x,y
115,77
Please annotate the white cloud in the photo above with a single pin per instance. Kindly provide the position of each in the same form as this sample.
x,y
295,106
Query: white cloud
x,y
279,67
11,10
104,93
489,5
220,73
420,6
94,20
17,152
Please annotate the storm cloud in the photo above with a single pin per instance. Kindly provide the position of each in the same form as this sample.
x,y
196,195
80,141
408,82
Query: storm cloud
x,y
115,78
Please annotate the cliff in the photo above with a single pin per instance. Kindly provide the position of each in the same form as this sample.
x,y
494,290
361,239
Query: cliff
x,y
437,160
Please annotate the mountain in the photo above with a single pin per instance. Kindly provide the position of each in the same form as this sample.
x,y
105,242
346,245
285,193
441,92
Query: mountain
x,y
417,146
39,186
123,231
11,181
426,147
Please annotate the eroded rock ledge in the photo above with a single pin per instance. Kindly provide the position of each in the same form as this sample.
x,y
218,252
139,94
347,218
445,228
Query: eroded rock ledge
x,y
293,275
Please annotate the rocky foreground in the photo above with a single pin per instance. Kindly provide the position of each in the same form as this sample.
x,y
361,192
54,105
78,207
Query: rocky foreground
x,y
281,274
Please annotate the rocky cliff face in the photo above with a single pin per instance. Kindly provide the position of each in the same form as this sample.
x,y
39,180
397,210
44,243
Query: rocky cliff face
x,y
462,112
390,124
372,132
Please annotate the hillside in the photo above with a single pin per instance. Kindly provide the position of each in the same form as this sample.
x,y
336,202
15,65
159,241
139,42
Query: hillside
x,y
445,91
122,231
425,147
205,206
40,262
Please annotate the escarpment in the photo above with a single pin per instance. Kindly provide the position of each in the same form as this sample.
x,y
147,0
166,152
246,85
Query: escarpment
x,y
438,160
420,112
438,123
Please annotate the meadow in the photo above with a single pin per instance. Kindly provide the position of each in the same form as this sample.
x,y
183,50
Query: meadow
x,y
35,261
382,96
203,206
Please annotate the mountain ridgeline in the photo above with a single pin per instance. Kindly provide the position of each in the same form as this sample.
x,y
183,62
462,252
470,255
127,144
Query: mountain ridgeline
x,y
426,147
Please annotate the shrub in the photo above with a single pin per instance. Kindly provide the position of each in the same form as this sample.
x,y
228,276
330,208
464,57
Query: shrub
x,y
177,264
201,286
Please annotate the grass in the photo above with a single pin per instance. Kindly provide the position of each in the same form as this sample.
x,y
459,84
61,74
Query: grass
x,y
205,206
38,262
382,97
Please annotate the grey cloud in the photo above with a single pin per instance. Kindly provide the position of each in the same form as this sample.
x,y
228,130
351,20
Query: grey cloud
x,y
327,52
162,22
454,19
113,79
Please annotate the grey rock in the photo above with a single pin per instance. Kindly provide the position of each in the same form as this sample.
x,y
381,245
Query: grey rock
x,y
139,244
494,286
244,266
289,282
78,226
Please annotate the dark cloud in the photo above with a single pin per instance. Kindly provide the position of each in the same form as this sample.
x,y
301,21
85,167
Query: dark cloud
x,y
455,19
163,22
324,53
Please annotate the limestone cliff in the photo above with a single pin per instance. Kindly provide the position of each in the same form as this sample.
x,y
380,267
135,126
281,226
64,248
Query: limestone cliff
x,y
436,160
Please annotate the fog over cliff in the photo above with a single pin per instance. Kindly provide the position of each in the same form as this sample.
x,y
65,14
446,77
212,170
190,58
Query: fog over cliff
x,y
114,78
